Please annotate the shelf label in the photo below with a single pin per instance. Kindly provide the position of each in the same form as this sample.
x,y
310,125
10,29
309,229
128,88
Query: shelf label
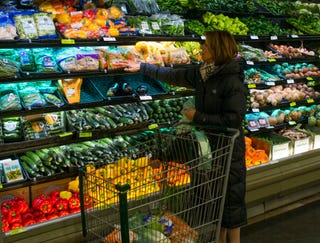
x,y
153,126
145,97
254,37
17,231
293,103
270,83
294,36
255,110
65,134
68,42
1,186
250,62
280,151
310,101
301,145
273,37
202,37
290,81
252,86
107,38
85,134
292,123
272,60
309,78
316,141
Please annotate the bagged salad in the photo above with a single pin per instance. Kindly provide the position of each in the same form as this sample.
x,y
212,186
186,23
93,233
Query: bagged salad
x,y
25,24
9,97
7,29
45,60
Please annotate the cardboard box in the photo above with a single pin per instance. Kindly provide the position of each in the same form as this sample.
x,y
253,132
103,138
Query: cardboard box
x,y
47,187
315,136
276,150
301,145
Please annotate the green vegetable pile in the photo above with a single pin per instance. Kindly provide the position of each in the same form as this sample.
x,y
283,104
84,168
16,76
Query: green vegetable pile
x,y
237,6
260,25
307,23
277,7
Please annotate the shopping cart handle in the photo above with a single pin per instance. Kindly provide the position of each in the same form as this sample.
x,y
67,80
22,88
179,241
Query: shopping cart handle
x,y
222,129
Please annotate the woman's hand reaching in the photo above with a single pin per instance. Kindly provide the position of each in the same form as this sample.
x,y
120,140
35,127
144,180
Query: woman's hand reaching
x,y
131,66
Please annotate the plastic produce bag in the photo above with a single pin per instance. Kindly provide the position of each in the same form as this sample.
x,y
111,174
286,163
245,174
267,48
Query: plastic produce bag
x,y
9,98
45,60
27,62
25,24
45,26
34,127
11,129
31,97
55,122
7,29
8,67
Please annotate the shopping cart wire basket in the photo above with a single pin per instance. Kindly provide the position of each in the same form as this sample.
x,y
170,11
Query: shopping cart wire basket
x,y
170,189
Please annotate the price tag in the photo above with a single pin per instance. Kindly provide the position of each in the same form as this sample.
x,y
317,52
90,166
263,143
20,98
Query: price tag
x,y
153,126
272,60
68,42
1,186
270,83
250,62
273,37
292,123
145,97
85,134
252,86
65,134
254,37
309,78
294,36
202,37
108,38
293,104
290,81
310,101
255,110
17,231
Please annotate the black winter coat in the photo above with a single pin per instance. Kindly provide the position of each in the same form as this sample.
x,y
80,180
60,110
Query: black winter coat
x,y
220,101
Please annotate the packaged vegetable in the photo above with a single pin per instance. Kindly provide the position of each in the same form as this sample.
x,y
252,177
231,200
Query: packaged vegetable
x,y
45,26
45,60
9,99
25,24
8,67
31,98
7,29
71,88
11,129
27,62
34,127
55,122
66,59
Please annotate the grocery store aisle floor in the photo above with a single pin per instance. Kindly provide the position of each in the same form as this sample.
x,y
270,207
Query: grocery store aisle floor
x,y
301,225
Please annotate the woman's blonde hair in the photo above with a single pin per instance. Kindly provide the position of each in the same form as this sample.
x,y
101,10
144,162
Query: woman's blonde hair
x,y
222,46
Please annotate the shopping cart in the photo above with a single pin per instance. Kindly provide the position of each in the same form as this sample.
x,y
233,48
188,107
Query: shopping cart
x,y
171,189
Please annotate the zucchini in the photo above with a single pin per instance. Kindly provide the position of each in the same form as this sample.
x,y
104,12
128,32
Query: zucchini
x,y
33,156
28,169
30,162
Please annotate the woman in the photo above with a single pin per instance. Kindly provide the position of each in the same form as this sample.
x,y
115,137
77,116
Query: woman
x,y
220,100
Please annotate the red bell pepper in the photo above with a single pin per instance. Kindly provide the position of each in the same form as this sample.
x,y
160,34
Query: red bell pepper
x,y
27,216
43,203
5,225
21,206
74,210
40,218
16,226
62,204
63,213
89,13
52,216
6,207
54,195
28,222
14,217
87,201
74,203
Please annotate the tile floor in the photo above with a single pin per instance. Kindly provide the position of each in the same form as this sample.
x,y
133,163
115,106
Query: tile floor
x,y
301,225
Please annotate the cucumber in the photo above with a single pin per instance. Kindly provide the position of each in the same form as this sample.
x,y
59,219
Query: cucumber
x,y
41,154
111,122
